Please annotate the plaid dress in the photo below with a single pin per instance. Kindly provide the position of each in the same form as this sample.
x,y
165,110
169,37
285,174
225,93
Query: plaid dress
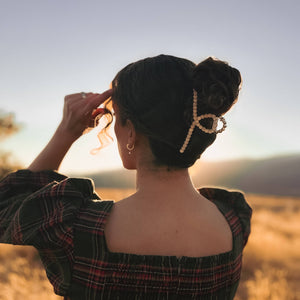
x,y
64,219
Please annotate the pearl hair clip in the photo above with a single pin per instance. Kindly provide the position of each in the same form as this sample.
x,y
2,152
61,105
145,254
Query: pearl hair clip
x,y
196,123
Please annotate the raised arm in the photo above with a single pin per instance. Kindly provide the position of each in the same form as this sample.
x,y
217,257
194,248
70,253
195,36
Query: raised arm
x,y
77,115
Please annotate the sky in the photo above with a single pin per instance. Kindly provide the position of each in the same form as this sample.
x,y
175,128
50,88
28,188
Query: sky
x,y
52,48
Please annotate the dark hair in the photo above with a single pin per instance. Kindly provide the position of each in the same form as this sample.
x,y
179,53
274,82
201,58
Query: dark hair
x,y
156,94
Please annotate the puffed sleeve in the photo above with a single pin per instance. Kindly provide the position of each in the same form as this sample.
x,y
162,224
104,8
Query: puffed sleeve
x,y
39,209
235,201
243,211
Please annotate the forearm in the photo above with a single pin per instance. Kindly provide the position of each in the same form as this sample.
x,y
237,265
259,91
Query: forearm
x,y
53,154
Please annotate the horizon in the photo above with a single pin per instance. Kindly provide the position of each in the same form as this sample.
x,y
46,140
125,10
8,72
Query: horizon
x,y
258,176
193,169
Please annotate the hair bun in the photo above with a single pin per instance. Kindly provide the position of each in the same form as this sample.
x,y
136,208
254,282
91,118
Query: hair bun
x,y
217,85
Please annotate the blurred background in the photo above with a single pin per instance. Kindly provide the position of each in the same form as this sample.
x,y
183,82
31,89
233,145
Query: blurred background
x,y
53,48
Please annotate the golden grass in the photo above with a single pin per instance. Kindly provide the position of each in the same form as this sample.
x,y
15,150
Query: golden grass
x,y
22,275
271,268
272,257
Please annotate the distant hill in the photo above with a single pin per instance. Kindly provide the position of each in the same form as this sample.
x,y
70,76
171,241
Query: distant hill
x,y
274,176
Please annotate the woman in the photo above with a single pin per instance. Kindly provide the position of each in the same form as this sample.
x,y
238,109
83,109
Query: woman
x,y
167,240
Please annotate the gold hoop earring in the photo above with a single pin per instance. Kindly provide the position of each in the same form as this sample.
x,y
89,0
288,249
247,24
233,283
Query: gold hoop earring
x,y
129,148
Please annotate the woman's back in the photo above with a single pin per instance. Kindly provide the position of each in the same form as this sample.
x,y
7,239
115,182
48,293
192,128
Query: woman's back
x,y
191,227
108,268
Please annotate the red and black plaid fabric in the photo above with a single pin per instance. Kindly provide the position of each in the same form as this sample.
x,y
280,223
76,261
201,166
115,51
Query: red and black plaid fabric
x,y
64,219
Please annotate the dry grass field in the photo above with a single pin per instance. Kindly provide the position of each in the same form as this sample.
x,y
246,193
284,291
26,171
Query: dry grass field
x,y
271,259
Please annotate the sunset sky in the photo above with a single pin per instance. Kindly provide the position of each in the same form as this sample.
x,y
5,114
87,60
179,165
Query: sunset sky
x,y
52,48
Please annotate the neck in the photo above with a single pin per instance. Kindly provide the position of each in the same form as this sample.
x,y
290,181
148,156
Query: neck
x,y
152,180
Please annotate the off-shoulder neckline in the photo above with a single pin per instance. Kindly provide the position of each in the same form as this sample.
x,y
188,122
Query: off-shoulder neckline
x,y
224,256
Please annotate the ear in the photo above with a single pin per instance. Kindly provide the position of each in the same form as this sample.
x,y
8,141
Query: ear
x,y
131,138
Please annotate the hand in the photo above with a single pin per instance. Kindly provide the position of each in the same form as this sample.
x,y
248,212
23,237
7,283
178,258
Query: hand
x,y
78,112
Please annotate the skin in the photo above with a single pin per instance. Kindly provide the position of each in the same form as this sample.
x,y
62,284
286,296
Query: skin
x,y
166,215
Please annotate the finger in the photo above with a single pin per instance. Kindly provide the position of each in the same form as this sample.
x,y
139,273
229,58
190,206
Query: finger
x,y
102,97
94,100
91,102
106,94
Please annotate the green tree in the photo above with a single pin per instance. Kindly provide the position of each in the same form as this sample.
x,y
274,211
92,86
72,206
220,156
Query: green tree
x,y
8,126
